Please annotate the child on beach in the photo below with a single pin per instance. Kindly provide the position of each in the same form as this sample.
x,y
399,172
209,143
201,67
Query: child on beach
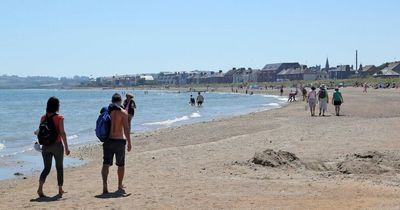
x,y
312,100
337,100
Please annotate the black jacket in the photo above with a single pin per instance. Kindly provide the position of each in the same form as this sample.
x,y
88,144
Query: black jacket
x,y
131,105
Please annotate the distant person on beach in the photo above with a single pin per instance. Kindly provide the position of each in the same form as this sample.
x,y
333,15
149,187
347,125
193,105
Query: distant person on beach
x,y
304,92
365,88
200,100
292,96
192,101
130,106
115,145
323,100
52,136
281,90
312,100
337,100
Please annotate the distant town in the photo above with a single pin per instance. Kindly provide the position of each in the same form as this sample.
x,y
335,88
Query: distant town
x,y
276,72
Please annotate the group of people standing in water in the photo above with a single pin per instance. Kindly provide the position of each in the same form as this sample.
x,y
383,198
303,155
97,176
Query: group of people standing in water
x,y
199,100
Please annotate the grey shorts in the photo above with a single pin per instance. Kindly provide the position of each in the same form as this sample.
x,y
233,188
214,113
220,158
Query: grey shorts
x,y
323,105
113,147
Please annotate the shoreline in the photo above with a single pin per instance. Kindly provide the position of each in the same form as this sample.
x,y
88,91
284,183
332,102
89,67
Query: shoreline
x,y
81,159
205,165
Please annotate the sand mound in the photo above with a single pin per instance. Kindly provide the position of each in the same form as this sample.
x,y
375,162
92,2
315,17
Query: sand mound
x,y
371,162
271,158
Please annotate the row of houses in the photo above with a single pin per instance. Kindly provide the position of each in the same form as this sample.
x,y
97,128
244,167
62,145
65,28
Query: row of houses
x,y
269,73
126,80
385,70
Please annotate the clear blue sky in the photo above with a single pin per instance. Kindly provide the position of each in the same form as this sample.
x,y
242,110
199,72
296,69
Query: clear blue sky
x,y
95,37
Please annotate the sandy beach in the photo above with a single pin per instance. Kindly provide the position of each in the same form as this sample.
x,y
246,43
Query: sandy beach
x,y
346,162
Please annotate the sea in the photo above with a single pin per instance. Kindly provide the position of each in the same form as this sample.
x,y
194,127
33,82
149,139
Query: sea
x,y
20,112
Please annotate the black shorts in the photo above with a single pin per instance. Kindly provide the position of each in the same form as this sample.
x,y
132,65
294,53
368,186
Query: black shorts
x,y
111,147
337,103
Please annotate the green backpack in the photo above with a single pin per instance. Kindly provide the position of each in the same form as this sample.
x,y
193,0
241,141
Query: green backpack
x,y
322,94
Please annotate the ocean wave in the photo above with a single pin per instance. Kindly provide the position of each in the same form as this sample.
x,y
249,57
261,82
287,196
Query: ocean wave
x,y
272,104
281,98
17,152
177,119
195,115
2,146
72,137
169,121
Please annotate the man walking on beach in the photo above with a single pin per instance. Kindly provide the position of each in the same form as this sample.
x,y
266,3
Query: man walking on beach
x,y
323,100
115,145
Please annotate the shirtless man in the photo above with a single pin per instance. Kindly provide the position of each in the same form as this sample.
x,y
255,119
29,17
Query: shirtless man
x,y
119,136
200,99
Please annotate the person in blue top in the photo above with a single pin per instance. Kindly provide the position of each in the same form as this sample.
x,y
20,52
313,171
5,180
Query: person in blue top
x,y
337,100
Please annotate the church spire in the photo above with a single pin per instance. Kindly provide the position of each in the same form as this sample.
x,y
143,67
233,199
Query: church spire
x,y
327,64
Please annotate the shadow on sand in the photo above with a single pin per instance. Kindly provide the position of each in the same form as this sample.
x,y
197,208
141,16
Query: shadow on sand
x,y
117,194
47,199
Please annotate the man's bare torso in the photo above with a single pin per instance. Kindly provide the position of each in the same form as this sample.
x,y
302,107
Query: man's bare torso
x,y
118,121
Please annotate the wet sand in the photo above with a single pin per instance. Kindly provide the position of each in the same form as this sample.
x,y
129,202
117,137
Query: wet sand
x,y
206,165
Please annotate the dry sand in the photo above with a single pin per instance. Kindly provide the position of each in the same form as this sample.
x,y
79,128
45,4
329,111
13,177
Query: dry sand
x,y
208,165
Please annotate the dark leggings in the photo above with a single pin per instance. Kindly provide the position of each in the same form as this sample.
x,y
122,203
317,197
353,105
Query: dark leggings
x,y
48,152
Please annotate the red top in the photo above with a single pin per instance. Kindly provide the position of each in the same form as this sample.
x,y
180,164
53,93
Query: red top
x,y
57,119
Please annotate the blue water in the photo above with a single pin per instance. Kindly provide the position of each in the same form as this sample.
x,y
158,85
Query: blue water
x,y
20,112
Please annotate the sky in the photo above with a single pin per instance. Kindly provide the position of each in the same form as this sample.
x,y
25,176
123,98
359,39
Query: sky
x,y
102,37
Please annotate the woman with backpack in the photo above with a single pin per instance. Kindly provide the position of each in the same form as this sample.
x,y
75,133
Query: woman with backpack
x,y
52,136
323,100
337,100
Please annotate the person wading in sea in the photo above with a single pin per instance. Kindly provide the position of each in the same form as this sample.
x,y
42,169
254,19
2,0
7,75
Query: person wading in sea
x,y
200,100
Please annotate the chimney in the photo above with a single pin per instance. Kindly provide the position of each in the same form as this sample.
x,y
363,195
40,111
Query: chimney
x,y
356,60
